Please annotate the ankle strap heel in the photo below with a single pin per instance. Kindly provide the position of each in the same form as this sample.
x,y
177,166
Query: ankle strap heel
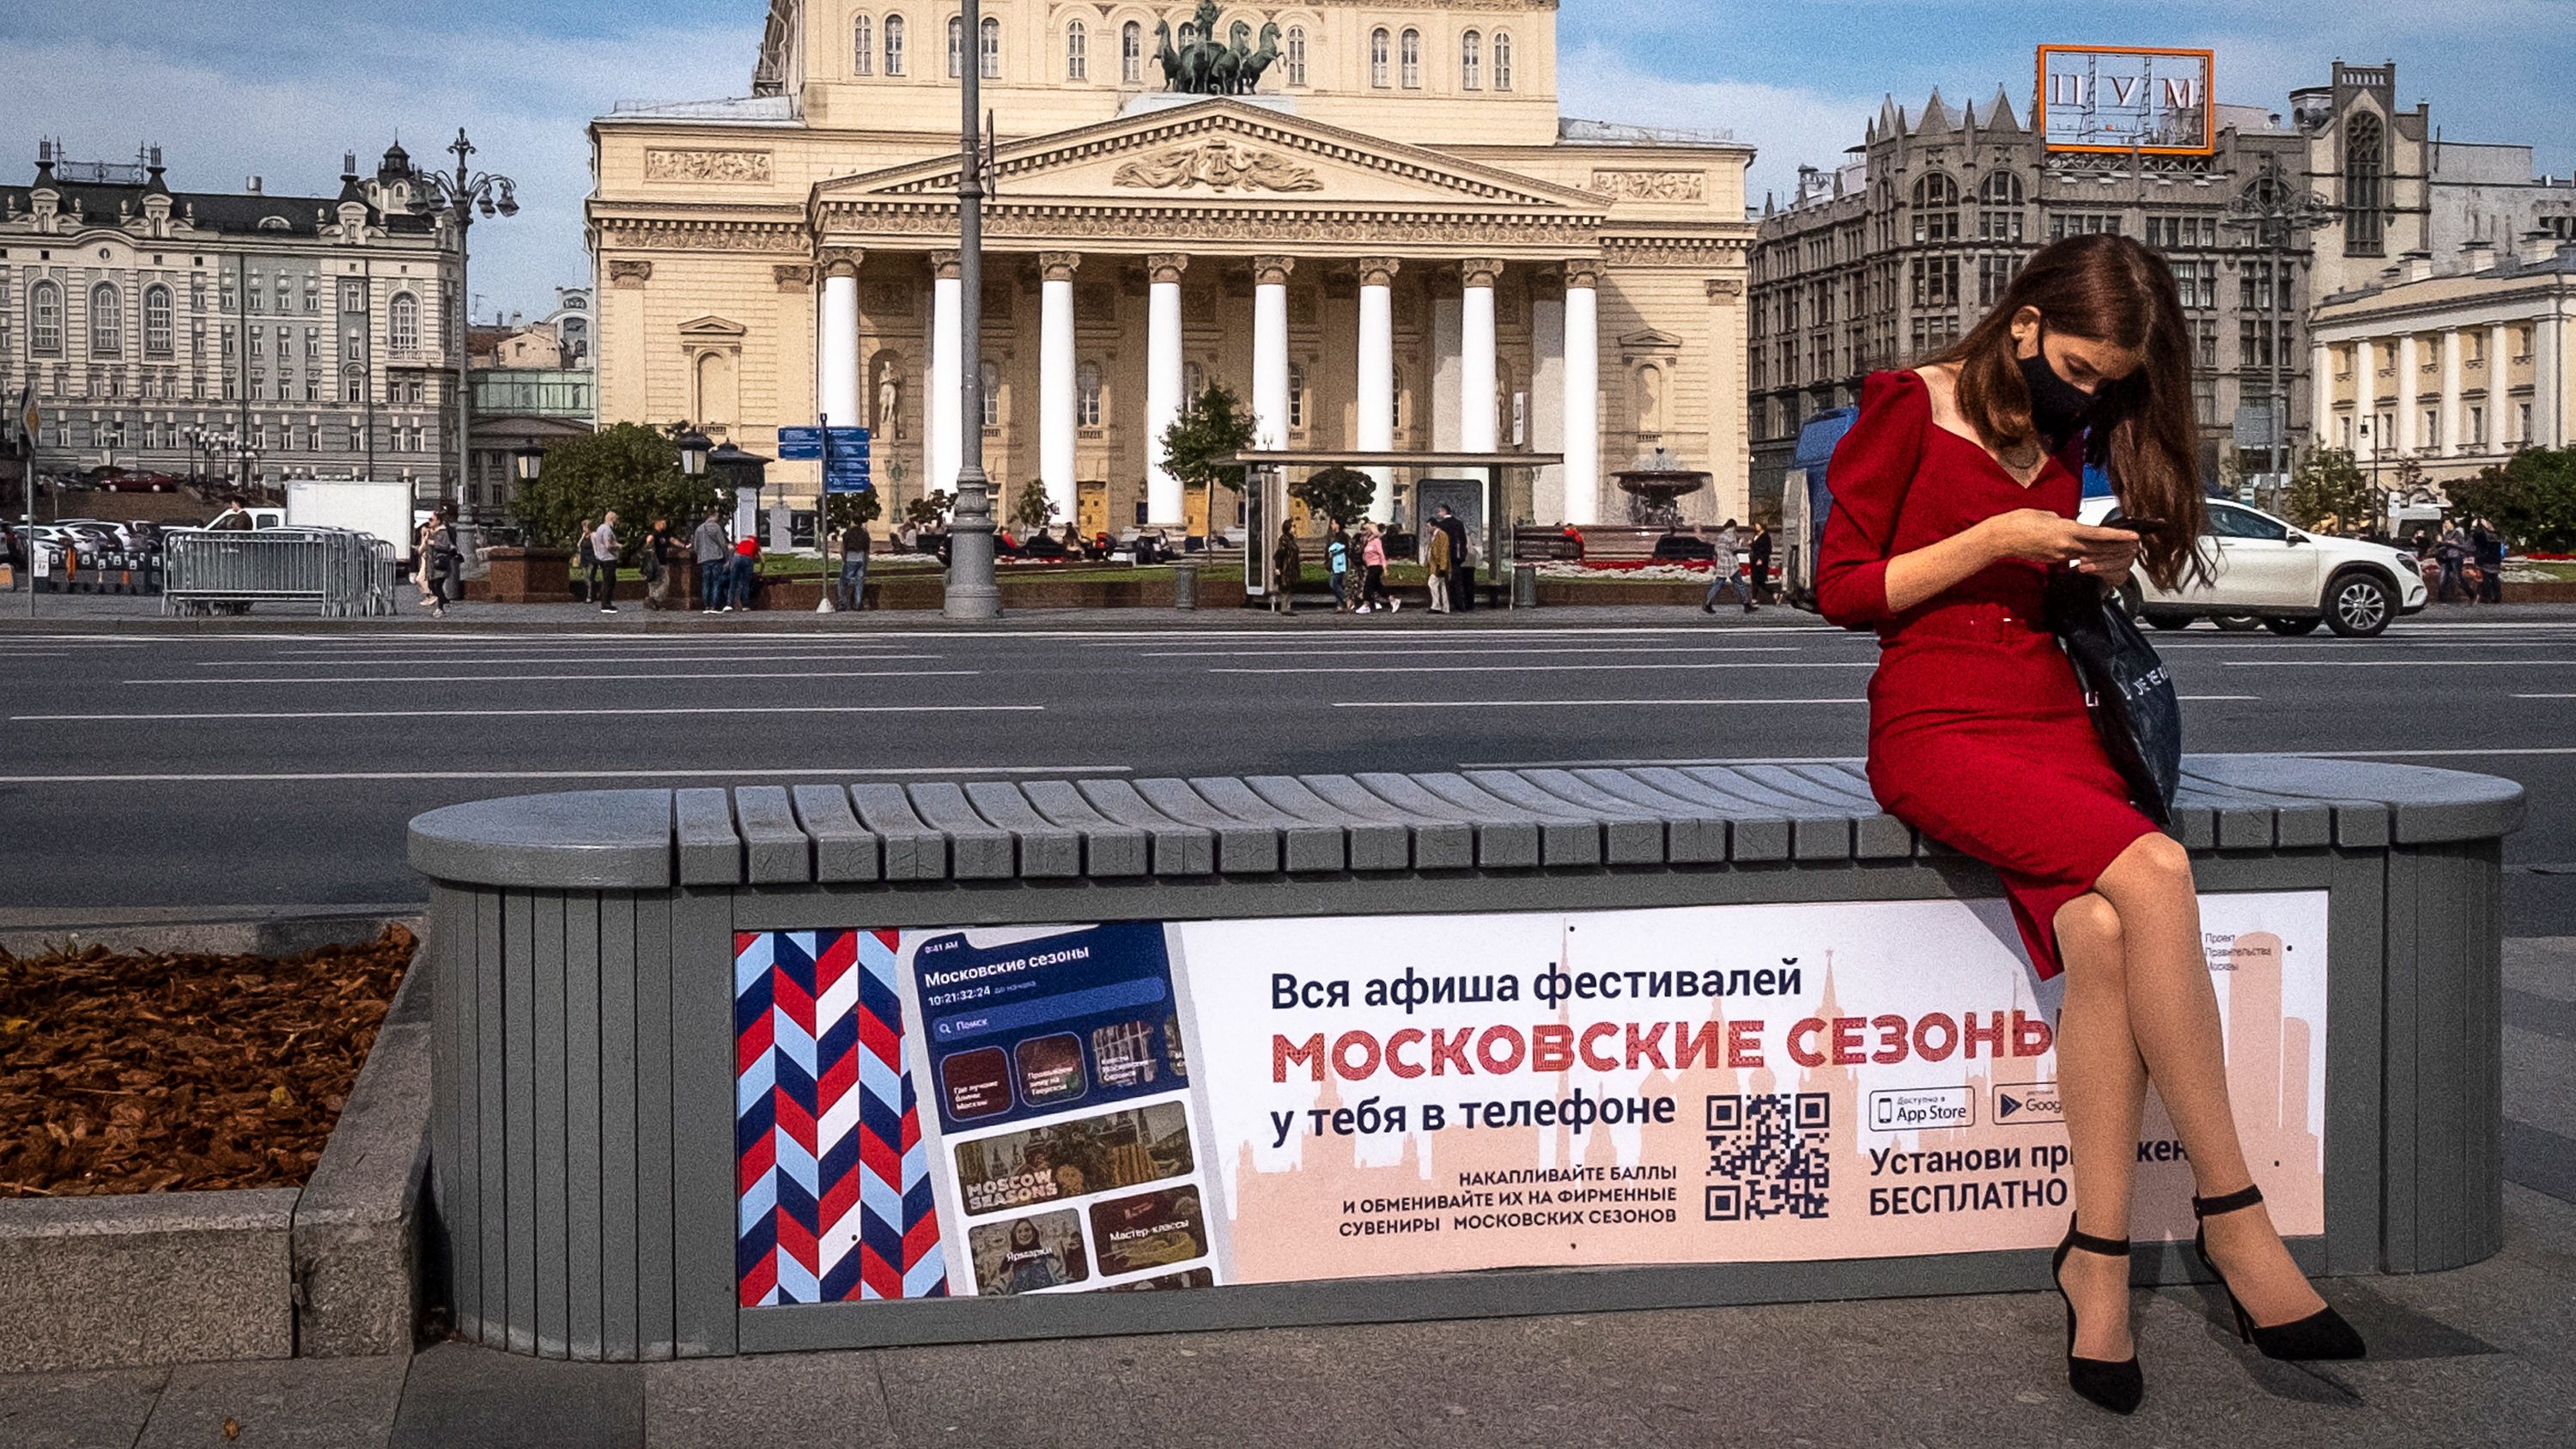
x,y
2321,1335
2237,1201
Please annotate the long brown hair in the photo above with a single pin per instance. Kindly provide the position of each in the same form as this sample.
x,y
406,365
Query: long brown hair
x,y
2105,289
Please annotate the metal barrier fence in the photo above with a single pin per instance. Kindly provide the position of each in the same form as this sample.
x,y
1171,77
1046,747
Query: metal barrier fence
x,y
343,573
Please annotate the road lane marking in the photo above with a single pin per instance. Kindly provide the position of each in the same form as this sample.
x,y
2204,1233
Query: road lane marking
x,y
724,678
2388,663
1364,651
734,773
1539,668
536,713
1554,703
511,660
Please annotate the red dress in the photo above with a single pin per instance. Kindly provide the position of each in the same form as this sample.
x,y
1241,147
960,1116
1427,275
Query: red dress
x,y
1978,734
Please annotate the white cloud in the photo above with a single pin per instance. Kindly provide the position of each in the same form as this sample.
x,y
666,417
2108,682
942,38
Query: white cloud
x,y
525,99
1789,126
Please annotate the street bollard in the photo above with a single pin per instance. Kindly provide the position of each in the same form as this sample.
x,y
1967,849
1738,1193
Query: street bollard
x,y
1185,583
1524,586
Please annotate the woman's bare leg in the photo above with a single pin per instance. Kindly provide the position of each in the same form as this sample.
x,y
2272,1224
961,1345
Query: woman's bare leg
x,y
2103,1083
2173,1016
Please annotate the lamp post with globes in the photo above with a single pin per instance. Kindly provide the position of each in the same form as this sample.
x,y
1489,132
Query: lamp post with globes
x,y
458,196
2274,214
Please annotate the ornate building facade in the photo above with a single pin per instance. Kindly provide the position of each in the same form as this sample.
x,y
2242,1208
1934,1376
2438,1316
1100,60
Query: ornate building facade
x,y
309,329
1380,234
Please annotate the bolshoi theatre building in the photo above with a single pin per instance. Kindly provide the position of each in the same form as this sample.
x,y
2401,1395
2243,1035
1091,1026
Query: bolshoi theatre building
x,y
1368,220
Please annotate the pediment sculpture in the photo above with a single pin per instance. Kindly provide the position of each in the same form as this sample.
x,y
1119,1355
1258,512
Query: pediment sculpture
x,y
1218,165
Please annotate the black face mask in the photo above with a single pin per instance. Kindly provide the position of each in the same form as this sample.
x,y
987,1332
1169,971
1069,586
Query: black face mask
x,y
2057,407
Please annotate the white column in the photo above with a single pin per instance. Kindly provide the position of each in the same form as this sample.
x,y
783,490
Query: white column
x,y
1476,419
1582,394
2321,409
2499,387
2549,378
1447,318
2450,439
2408,361
2367,444
1547,400
947,347
1163,401
1270,350
1729,459
1377,375
1056,398
836,374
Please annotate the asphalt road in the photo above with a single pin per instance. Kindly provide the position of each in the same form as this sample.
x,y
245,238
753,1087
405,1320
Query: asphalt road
x,y
278,770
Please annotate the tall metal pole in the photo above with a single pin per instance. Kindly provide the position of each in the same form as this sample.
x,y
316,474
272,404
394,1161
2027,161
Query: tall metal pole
x,y
971,592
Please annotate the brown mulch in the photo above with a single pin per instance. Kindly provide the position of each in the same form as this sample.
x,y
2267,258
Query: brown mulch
x,y
127,1074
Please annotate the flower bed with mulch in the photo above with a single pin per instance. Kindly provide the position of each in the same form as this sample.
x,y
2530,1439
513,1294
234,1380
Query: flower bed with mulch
x,y
128,1074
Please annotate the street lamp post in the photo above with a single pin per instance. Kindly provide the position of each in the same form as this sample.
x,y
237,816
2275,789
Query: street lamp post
x,y
460,195
2276,215
971,592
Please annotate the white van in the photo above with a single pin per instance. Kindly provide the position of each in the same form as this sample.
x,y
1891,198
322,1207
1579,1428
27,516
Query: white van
x,y
2287,579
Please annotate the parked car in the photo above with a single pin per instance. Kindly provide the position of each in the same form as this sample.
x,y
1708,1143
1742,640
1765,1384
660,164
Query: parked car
x,y
2263,570
141,483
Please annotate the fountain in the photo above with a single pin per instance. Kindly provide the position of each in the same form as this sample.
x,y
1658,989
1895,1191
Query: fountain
x,y
1653,489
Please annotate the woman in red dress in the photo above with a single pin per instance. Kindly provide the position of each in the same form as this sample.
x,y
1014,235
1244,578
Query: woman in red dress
x,y
1954,494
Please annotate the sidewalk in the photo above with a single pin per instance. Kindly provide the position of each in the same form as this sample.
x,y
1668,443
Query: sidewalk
x,y
2485,1355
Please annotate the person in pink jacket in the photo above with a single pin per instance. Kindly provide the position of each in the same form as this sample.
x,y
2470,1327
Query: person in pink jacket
x,y
1373,592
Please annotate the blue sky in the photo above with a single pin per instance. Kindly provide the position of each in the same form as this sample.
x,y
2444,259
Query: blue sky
x,y
281,89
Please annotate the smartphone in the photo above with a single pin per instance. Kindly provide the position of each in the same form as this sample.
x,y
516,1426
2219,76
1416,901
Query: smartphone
x,y
2142,527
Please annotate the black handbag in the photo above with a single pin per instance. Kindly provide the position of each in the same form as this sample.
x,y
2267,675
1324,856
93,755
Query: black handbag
x,y
2126,686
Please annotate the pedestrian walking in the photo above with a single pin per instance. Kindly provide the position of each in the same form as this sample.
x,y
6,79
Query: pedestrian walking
x,y
603,562
709,548
234,519
1286,567
1954,496
1462,563
1435,562
582,561
854,566
1728,544
1337,567
1373,594
439,558
659,544
2452,553
2486,544
743,574
420,547
1758,554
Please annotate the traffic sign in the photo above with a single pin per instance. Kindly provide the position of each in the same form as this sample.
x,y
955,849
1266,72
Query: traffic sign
x,y
846,461
799,445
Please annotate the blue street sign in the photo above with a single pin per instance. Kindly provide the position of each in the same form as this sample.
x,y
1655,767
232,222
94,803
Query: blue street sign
x,y
798,445
845,461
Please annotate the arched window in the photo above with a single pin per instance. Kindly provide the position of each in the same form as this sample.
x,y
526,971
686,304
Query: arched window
x,y
956,47
1086,389
989,48
106,320
1936,208
1471,61
353,385
2001,193
1380,47
1077,52
1409,57
863,45
2365,164
1188,34
2000,188
1131,54
45,316
991,374
156,321
1296,395
404,322
1296,55
894,45
1502,60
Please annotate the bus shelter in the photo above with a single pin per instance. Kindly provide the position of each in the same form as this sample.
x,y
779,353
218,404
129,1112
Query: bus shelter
x,y
1477,488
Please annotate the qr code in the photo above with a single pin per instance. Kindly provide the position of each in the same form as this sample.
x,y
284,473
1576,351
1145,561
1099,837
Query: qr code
x,y
1769,1156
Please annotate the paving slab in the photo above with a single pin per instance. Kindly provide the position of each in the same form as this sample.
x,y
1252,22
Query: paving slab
x,y
459,1395
809,1401
298,1404
106,1409
1006,1393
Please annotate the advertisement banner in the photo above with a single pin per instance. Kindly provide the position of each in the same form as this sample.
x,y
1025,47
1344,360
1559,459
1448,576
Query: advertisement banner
x,y
1146,1106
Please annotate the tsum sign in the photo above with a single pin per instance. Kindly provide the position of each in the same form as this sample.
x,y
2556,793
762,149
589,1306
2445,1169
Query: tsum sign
x,y
2157,102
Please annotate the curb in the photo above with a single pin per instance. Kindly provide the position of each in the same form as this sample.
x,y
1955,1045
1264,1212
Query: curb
x,y
190,929
331,1269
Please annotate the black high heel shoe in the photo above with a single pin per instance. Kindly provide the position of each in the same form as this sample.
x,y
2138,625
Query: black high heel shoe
x,y
2118,1387
2321,1335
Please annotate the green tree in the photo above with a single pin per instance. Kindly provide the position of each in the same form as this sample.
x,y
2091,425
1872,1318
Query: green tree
x,y
847,509
1199,446
1341,495
928,509
628,467
1030,508
2329,488
2532,497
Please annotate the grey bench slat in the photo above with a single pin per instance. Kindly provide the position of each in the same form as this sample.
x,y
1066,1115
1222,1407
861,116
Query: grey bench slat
x,y
1180,848
1047,850
1372,844
2424,804
1503,841
2299,819
1109,849
1439,843
1630,835
1242,848
1817,831
844,850
1565,837
2242,821
779,851
1307,845
976,851
913,850
710,852
1876,835
1693,834
1757,832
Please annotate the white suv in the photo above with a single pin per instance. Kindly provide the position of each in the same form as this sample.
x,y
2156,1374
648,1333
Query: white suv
x,y
2288,579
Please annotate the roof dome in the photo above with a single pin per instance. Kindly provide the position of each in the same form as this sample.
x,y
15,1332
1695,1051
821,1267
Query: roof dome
x,y
397,163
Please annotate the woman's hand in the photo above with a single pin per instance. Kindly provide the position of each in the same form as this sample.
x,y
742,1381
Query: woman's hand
x,y
2035,535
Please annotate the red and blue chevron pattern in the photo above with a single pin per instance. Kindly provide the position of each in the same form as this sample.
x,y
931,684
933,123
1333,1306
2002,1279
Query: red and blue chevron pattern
x,y
832,1178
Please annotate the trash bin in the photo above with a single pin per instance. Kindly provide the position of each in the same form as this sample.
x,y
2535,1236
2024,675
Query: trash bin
x,y
1524,586
1185,583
